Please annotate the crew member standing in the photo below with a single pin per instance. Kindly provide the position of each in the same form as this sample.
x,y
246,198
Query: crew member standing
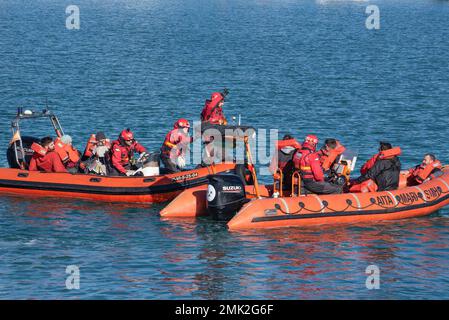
x,y
175,146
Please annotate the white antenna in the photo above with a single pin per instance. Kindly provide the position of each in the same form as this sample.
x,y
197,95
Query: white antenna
x,y
240,119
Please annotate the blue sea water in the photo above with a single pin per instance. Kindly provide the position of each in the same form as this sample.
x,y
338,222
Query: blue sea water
x,y
297,66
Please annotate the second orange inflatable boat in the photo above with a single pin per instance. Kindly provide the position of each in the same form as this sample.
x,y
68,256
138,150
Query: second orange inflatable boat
x,y
306,210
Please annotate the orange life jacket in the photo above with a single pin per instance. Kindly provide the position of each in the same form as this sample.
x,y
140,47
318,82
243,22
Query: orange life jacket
x,y
423,173
38,149
288,143
390,153
91,143
386,154
328,160
364,187
280,160
66,152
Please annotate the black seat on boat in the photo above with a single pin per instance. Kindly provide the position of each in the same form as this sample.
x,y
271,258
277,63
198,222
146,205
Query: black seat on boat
x,y
11,155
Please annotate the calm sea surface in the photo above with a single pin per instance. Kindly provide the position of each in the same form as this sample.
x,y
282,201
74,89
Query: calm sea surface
x,y
297,66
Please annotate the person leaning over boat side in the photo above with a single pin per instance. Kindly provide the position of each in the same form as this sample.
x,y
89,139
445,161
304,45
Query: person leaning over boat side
x,y
383,169
122,154
175,146
70,156
286,149
45,158
311,170
429,168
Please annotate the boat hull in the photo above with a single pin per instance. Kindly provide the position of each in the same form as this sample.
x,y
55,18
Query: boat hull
x,y
192,203
109,189
344,208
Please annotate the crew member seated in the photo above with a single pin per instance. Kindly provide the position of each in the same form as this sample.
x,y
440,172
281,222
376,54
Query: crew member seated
x,y
45,158
311,168
175,145
329,153
213,109
381,172
70,157
429,168
122,154
283,160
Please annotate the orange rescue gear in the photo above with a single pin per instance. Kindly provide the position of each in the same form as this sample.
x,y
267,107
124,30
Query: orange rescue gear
x,y
288,143
386,154
420,173
427,171
329,159
90,146
37,148
390,153
364,187
67,153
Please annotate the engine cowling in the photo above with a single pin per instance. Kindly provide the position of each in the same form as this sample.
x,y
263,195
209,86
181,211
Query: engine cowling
x,y
225,196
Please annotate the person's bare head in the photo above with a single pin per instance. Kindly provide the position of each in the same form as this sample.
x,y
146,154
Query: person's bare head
x,y
330,144
48,143
428,159
385,146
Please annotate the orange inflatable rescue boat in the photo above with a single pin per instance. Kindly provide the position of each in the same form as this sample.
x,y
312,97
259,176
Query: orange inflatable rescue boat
x,y
256,207
312,209
136,189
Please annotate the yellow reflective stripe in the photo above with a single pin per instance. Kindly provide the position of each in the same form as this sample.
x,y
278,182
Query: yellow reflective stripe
x,y
306,168
169,144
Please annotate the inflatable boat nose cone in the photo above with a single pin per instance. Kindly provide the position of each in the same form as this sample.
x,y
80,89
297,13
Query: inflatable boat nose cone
x,y
190,203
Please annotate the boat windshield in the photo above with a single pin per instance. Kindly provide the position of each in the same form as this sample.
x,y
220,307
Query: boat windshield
x,y
350,157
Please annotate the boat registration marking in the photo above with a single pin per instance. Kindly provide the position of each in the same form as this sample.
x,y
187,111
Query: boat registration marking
x,y
185,177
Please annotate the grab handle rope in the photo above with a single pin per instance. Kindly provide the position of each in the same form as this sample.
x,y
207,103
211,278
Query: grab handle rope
x,y
326,206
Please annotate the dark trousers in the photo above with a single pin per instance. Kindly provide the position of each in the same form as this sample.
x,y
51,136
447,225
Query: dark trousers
x,y
113,172
321,187
169,165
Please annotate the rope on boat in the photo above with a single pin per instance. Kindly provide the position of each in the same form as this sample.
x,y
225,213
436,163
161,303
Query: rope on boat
x,y
326,206
350,204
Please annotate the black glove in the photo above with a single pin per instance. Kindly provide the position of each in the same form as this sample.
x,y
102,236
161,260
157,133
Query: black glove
x,y
225,92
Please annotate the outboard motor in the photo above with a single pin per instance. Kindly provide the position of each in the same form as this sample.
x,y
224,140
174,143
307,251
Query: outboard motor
x,y
225,195
11,156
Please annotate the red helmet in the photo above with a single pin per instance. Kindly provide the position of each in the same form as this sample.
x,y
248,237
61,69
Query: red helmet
x,y
127,135
182,123
216,96
311,139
